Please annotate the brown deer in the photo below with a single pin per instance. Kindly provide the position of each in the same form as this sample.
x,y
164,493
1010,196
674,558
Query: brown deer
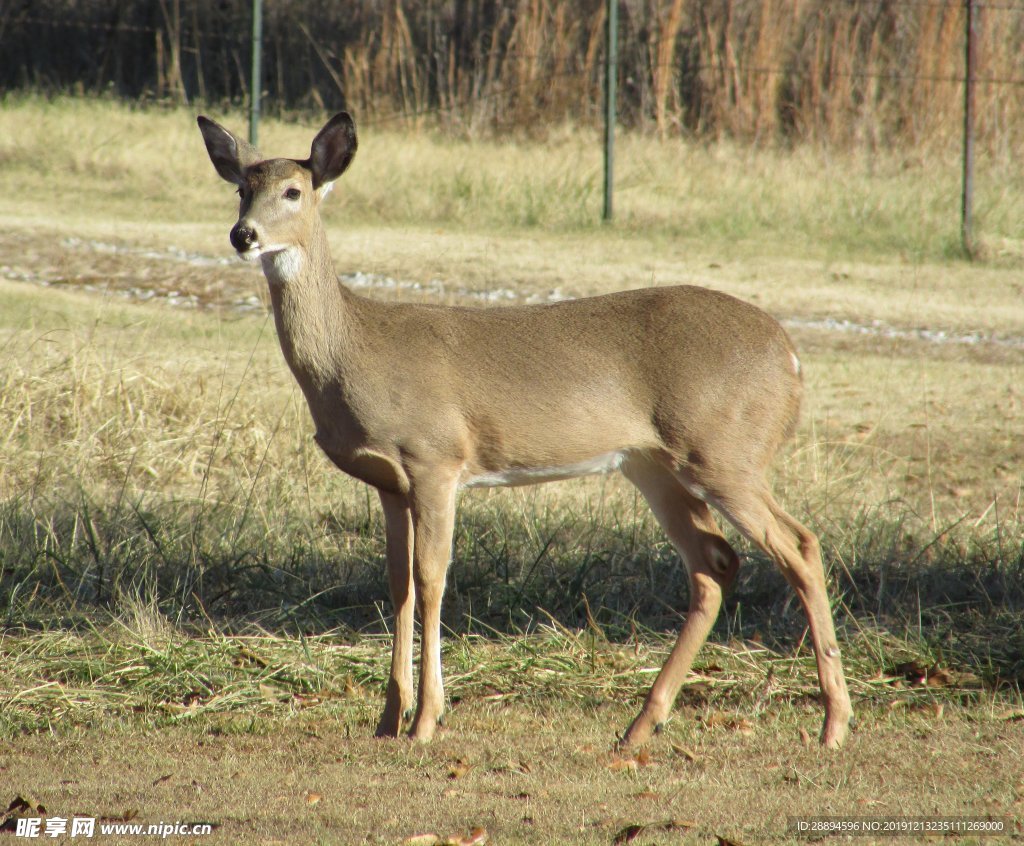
x,y
689,392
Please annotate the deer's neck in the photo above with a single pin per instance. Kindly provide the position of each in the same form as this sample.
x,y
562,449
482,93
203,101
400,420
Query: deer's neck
x,y
310,311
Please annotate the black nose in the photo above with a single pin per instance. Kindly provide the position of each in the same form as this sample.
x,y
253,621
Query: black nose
x,y
242,237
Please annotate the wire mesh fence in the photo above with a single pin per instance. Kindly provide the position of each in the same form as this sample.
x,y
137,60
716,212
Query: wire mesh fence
x,y
870,72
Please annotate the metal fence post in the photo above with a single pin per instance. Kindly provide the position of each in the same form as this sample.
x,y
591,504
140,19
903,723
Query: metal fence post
x,y
256,84
610,75
970,74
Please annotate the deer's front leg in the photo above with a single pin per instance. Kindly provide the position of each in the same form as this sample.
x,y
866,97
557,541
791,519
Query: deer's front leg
x,y
432,500
399,533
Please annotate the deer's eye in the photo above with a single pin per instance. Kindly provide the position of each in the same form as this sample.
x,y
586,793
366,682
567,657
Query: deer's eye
x,y
241,193
292,194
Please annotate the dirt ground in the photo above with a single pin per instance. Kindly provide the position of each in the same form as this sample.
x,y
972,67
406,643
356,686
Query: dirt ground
x,y
527,775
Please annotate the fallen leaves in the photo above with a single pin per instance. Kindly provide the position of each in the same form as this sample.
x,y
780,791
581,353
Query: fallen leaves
x,y
730,722
477,837
632,832
686,752
460,769
19,805
630,763
919,674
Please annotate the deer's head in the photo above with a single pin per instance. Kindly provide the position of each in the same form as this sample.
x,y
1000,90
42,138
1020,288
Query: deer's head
x,y
278,196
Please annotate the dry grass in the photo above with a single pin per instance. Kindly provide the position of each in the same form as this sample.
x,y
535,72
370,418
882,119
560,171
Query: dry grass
x,y
111,165
179,565
851,73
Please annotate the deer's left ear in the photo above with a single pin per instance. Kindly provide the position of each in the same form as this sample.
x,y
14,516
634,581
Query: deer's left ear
x,y
333,150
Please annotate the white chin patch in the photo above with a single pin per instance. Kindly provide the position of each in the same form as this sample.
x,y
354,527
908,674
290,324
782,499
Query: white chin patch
x,y
251,254
284,262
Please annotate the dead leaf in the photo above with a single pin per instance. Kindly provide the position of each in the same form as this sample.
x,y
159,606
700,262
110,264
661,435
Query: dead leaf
x,y
619,765
805,737
313,799
20,803
689,754
726,841
917,673
631,832
721,719
912,671
628,834
649,795
460,769
477,837
162,779
716,718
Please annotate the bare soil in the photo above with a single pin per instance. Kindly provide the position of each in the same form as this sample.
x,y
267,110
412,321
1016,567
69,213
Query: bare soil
x,y
527,775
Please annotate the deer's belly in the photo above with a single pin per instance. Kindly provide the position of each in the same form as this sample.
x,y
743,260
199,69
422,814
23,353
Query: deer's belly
x,y
513,476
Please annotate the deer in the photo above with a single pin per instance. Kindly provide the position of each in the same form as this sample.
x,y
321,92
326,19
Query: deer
x,y
687,391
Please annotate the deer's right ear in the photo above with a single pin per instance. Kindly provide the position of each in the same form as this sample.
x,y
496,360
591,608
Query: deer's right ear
x,y
230,155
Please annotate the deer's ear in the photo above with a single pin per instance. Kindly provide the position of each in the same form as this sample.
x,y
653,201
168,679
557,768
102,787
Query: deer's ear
x,y
230,155
333,150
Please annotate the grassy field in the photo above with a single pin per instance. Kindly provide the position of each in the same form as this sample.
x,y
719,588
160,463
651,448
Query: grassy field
x,y
194,602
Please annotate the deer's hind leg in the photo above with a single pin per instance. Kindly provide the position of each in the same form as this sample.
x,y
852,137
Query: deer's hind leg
x,y
796,552
712,566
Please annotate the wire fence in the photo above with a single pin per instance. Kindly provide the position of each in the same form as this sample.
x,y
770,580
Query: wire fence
x,y
846,72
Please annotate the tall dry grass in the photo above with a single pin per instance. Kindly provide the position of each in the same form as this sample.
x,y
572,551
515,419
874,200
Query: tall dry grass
x,y
854,72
